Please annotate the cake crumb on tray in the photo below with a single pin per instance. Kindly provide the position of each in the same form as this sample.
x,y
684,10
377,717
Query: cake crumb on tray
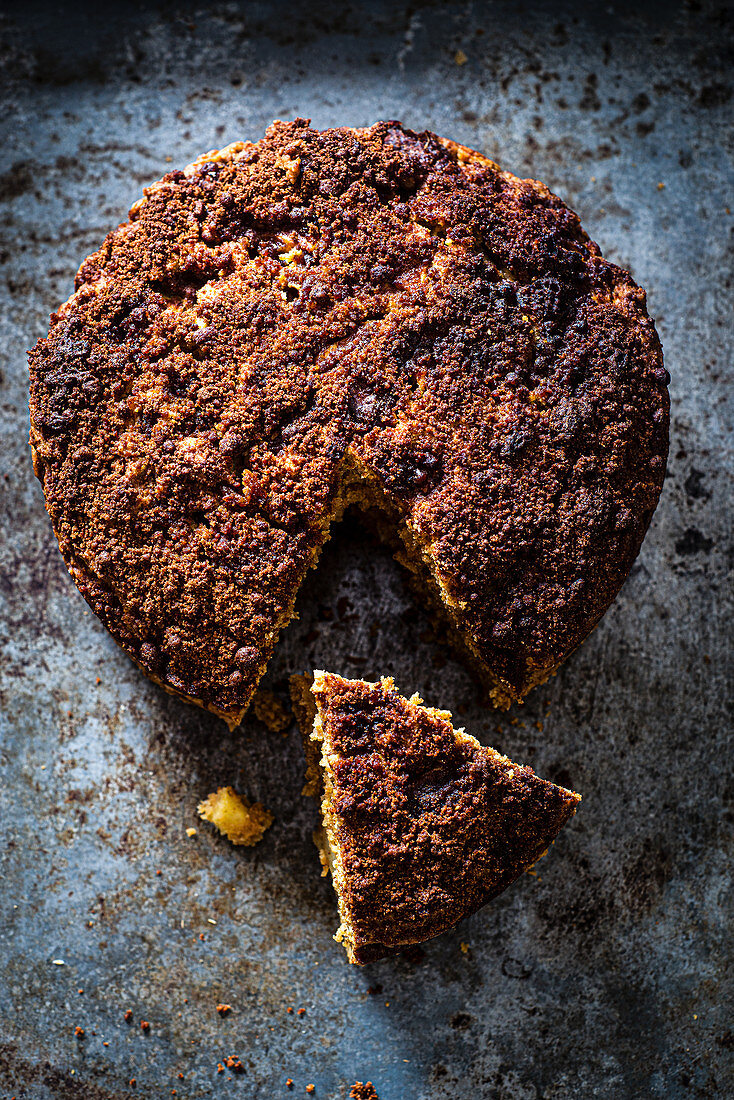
x,y
241,821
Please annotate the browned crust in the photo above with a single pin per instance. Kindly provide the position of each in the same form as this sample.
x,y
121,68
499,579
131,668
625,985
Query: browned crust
x,y
377,299
430,824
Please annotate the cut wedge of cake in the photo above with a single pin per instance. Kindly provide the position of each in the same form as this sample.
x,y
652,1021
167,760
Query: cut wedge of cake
x,y
422,825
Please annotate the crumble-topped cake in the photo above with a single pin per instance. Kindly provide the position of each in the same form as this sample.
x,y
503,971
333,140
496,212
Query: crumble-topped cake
x,y
374,316
422,825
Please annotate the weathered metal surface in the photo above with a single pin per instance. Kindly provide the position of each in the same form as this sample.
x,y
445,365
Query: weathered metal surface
x,y
604,974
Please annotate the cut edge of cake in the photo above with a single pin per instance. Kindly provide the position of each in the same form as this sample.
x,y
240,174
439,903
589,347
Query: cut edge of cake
x,y
320,784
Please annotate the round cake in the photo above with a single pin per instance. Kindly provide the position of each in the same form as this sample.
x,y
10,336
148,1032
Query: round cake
x,y
321,318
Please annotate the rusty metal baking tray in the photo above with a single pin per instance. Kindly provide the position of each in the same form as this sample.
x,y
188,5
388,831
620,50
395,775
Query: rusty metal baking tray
x,y
603,975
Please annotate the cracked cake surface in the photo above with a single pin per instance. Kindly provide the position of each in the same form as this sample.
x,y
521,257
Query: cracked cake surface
x,y
323,317
422,825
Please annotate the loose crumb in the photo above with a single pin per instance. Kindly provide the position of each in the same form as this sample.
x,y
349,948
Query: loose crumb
x,y
79,1032
191,832
223,1010
128,1015
234,1064
269,710
301,1011
460,57
144,1025
242,822
310,1088
289,1083
361,1091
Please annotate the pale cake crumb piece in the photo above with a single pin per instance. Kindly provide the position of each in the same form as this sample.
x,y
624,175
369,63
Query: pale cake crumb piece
x,y
242,822
269,710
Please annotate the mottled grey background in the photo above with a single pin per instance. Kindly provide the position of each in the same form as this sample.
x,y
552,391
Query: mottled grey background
x,y
604,975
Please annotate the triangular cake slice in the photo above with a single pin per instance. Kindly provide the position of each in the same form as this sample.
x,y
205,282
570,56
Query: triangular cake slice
x,y
421,823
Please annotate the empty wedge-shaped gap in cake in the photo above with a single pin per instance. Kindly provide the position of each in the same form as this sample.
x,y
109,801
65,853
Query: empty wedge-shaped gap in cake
x,y
421,824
